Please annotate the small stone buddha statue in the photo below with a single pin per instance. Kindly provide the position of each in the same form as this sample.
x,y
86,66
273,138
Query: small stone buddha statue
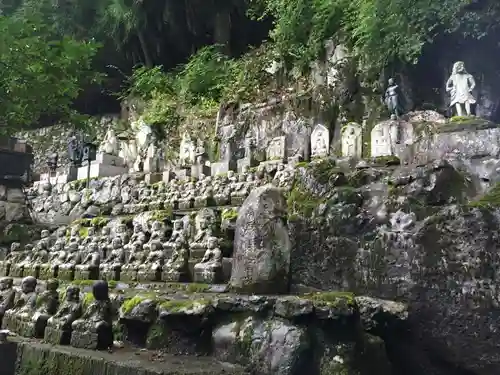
x,y
150,269
58,329
14,256
111,267
47,305
137,257
203,231
66,271
24,262
157,234
240,190
74,236
105,240
122,233
177,267
138,235
7,295
91,233
209,269
24,306
205,194
222,190
186,198
94,330
178,231
89,267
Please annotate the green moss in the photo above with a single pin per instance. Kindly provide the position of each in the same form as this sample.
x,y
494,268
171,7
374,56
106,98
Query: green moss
x,y
230,214
465,123
88,298
302,164
490,199
301,203
82,283
156,336
197,288
322,170
83,232
185,304
14,232
332,298
99,221
161,215
129,304
387,160
461,118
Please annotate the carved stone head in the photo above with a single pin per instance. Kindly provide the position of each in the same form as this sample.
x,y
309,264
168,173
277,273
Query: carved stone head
x,y
72,293
116,243
100,290
73,248
391,82
105,231
45,233
15,246
6,283
155,246
93,247
156,227
52,285
75,231
121,228
459,67
212,242
28,285
178,225
91,232
137,228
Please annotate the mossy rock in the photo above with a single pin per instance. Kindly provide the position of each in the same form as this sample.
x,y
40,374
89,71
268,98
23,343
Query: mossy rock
x,y
332,298
465,123
188,306
386,161
301,203
490,200
230,214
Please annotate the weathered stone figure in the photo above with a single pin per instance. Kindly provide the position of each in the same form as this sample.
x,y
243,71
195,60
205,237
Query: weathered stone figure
x,y
47,305
58,330
24,306
460,86
7,295
94,329
74,150
261,262
394,99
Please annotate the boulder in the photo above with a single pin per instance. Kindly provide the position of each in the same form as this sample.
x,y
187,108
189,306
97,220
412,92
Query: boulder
x,y
261,263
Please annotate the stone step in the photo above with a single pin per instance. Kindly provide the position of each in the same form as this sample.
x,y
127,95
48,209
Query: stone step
x,y
36,358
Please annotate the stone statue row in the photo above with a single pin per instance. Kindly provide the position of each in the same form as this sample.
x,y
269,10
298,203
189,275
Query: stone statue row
x,y
185,255
459,86
43,315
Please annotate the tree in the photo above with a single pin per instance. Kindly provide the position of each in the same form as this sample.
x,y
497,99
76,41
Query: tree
x,y
40,76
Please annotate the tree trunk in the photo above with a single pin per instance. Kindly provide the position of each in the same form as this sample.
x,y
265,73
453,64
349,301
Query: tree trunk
x,y
222,30
148,61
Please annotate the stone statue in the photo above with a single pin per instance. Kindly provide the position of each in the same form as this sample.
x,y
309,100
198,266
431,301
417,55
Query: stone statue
x,y
178,232
394,99
177,267
15,254
157,234
47,305
74,150
7,295
66,270
209,269
460,86
112,266
94,329
24,306
89,268
136,258
58,330
110,144
150,269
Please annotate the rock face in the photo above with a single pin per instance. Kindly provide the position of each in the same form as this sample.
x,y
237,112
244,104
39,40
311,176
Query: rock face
x,y
415,234
261,246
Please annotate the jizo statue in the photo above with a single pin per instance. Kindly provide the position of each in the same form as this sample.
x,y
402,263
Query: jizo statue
x,y
460,86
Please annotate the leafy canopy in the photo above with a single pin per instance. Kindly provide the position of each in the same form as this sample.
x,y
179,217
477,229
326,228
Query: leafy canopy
x,y
40,75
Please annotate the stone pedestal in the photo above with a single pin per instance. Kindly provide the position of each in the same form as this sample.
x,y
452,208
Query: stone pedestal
x,y
168,176
67,274
173,276
183,173
128,275
223,167
152,178
149,275
4,268
198,170
87,273
16,271
100,170
112,273
57,336
93,340
246,163
204,276
151,165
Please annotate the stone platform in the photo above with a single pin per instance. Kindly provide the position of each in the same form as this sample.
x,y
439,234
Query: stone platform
x,y
36,358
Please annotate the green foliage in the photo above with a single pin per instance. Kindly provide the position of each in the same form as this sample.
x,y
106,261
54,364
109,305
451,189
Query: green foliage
x,y
490,199
41,75
380,31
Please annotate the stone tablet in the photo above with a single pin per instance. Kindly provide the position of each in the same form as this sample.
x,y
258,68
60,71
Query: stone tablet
x,y
262,247
352,141
320,141
276,149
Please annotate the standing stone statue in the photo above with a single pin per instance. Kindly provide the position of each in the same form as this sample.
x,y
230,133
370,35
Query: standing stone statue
x,y
74,150
394,99
460,86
